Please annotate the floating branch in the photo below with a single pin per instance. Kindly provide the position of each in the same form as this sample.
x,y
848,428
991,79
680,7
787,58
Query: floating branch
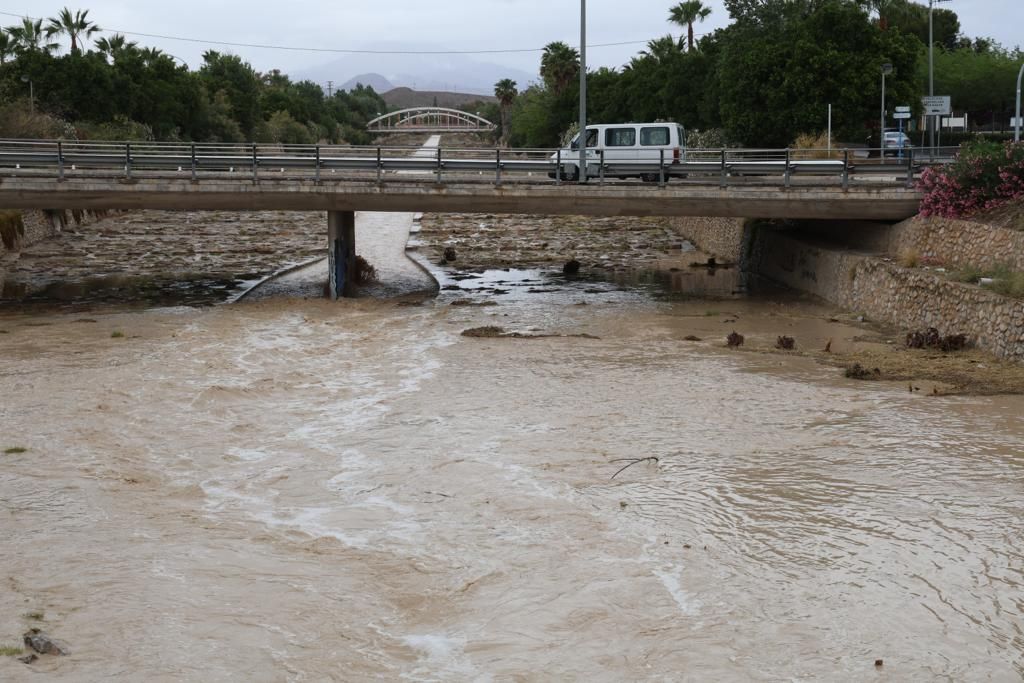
x,y
632,461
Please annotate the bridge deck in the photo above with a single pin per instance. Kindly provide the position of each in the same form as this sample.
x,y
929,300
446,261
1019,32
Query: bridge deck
x,y
406,193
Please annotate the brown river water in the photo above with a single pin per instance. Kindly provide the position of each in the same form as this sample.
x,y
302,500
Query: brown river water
x,y
291,489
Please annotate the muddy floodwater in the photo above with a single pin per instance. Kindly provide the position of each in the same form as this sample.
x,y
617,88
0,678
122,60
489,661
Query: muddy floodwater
x,y
291,489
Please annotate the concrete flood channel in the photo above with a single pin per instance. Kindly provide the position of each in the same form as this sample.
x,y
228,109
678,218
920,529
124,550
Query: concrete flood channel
x,y
287,488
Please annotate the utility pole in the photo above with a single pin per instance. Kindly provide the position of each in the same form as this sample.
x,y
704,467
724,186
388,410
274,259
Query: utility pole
x,y
330,88
1016,127
583,91
886,70
931,71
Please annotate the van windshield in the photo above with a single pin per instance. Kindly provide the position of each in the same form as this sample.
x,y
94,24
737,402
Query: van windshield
x,y
591,139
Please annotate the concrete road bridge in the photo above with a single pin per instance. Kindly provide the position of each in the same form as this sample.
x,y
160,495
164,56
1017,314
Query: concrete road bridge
x,y
342,180
430,120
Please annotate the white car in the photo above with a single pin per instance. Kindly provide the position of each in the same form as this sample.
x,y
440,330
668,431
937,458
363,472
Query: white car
x,y
895,140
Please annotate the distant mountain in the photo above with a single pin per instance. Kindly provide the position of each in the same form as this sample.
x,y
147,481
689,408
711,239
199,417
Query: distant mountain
x,y
404,98
375,81
421,72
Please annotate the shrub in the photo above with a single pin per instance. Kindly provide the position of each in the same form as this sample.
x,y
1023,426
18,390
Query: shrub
x,y
815,146
984,176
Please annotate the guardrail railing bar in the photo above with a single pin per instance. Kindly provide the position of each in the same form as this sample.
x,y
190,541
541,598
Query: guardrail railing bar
x,y
846,169
60,161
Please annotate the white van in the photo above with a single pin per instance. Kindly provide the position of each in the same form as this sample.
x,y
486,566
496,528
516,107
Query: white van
x,y
620,144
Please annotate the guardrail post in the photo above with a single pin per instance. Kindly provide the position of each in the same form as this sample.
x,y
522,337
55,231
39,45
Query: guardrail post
x,y
497,165
910,168
787,175
724,180
558,167
60,161
846,169
661,168
439,165
255,166
194,164
127,160
601,169
380,167
318,164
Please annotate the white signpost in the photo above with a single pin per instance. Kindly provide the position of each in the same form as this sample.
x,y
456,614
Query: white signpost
x,y
902,113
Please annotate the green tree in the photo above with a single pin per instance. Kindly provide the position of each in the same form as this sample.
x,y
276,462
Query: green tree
x,y
7,47
115,46
686,14
75,26
506,91
30,37
779,70
559,66
239,83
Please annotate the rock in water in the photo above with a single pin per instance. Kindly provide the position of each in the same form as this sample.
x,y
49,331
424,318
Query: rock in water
x,y
785,343
734,340
571,267
44,644
450,255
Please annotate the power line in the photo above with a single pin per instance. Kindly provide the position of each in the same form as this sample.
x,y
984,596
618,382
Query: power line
x,y
292,48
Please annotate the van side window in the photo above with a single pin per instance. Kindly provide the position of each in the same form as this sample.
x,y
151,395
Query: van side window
x,y
652,137
620,137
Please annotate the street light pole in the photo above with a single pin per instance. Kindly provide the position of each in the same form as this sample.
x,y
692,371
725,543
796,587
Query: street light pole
x,y
931,71
31,94
583,91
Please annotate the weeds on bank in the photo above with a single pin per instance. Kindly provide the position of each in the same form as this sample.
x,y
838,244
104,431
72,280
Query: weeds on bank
x,y
1004,280
35,616
11,651
117,334
17,450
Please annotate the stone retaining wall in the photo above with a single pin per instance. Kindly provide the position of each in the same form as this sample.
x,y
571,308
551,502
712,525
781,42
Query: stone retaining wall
x,y
719,237
884,291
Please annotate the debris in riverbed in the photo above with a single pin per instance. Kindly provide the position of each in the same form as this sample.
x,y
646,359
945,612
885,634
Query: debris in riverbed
x,y
879,662
450,255
692,338
858,371
633,461
29,658
365,272
828,346
571,267
42,643
734,340
486,331
785,343
931,339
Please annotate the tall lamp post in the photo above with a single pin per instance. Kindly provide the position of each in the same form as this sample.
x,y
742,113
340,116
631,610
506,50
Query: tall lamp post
x,y
31,94
931,72
583,91
886,70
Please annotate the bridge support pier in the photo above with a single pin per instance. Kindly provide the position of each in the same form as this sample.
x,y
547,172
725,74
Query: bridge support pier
x,y
341,253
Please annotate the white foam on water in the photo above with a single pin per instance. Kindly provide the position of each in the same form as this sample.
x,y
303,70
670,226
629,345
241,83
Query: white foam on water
x,y
443,657
671,577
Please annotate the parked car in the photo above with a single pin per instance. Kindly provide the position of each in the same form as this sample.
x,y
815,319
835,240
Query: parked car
x,y
895,140
623,144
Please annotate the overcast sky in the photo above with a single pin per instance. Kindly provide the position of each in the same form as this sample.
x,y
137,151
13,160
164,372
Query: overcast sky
x,y
428,24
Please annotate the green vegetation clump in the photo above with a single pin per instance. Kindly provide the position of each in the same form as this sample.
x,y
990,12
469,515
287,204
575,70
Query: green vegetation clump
x,y
117,334
1001,279
38,615
11,651
17,450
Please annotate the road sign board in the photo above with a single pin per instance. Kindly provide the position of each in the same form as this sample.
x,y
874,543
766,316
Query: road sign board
x,y
937,105
1014,121
901,115
902,110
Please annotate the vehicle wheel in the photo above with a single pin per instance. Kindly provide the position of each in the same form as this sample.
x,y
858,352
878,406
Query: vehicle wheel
x,y
649,177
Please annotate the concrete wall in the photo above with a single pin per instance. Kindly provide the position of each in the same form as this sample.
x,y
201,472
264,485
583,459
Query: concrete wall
x,y
882,290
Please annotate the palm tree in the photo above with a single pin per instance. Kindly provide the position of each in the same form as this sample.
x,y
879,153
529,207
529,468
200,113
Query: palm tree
x,y
686,13
506,92
6,47
75,26
115,46
29,37
663,48
559,65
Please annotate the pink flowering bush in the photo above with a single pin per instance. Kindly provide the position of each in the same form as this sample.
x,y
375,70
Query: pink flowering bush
x,y
985,175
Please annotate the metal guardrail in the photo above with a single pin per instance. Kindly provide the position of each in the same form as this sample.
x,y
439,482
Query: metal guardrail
x,y
73,159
